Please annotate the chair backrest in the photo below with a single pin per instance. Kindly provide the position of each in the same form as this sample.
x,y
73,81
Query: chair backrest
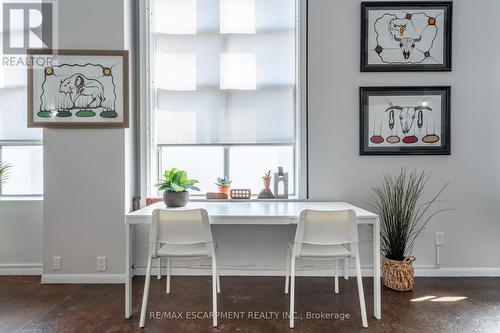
x,y
187,226
327,227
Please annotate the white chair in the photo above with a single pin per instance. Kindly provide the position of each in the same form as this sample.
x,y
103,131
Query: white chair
x,y
325,235
182,234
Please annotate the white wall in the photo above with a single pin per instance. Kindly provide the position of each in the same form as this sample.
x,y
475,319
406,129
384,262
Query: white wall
x,y
473,170
84,169
21,223
85,174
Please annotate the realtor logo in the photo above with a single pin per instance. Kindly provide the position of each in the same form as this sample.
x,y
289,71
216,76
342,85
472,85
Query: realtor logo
x,y
27,25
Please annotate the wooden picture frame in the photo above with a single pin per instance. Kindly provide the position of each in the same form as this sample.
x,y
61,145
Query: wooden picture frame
x,y
406,36
78,88
405,120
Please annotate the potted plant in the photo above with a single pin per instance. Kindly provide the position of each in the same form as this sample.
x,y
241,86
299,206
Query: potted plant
x,y
4,172
175,185
402,219
267,180
224,185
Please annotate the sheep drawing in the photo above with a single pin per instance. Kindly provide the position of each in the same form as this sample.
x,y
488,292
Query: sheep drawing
x,y
78,85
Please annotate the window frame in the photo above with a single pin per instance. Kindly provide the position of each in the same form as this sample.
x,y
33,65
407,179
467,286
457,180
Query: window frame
x,y
226,159
18,143
148,150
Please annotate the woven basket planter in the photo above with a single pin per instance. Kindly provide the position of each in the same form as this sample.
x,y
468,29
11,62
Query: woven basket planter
x,y
398,275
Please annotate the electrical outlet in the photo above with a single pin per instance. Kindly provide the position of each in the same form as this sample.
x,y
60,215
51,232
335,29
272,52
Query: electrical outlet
x,y
101,264
440,238
56,263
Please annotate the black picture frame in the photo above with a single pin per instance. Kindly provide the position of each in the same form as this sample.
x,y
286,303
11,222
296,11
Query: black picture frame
x,y
364,131
447,6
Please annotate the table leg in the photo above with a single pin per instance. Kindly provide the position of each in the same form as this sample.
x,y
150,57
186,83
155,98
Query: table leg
x,y
376,270
128,269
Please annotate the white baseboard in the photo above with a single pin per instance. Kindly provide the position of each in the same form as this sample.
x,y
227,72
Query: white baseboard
x,y
420,271
83,278
424,271
21,269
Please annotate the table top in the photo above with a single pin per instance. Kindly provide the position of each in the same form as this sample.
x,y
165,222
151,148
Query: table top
x,y
256,209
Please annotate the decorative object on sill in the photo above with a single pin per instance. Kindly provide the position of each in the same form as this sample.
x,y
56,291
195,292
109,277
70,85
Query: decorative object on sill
x,y
4,172
216,196
152,201
403,217
281,177
175,185
78,89
136,203
241,193
224,185
266,192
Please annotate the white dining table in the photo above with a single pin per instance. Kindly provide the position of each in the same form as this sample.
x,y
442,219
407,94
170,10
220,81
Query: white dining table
x,y
233,212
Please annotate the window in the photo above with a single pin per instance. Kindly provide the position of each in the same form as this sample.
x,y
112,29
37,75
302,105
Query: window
x,y
21,147
224,90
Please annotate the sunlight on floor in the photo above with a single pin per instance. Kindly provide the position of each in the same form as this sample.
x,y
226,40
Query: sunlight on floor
x,y
439,299
449,299
424,298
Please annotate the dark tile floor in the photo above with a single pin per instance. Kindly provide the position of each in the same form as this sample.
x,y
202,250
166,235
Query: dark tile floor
x,y
27,306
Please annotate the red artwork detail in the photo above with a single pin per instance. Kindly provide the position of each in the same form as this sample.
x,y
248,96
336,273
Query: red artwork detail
x,y
410,139
377,139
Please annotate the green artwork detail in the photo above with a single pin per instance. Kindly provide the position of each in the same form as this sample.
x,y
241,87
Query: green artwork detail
x,y
109,114
64,114
85,113
45,114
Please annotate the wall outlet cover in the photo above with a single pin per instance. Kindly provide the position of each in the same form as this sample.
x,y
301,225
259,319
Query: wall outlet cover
x,y
440,238
101,264
56,263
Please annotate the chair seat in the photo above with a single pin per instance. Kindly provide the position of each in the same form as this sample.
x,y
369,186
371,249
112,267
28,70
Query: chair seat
x,y
183,250
319,251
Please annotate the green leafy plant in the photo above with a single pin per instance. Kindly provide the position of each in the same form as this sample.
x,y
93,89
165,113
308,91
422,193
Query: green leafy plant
x,y
175,180
223,181
402,217
4,171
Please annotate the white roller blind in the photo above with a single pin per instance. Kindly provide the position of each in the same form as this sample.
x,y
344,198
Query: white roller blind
x,y
224,71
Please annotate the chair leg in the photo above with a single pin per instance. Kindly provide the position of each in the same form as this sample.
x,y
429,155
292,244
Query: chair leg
x,y
146,292
218,278
158,276
214,292
169,269
292,291
346,269
361,293
287,273
336,276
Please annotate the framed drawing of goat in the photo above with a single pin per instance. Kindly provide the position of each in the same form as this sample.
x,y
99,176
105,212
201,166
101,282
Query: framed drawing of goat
x,y
405,120
406,36
78,88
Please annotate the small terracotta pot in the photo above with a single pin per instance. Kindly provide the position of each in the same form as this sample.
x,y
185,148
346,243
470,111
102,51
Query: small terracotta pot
x,y
267,183
226,189
176,199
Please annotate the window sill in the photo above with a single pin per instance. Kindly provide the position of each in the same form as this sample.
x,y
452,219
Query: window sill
x,y
253,199
20,198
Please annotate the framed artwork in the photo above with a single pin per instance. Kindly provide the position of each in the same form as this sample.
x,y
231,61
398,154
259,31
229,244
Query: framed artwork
x,y
404,121
78,89
406,36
